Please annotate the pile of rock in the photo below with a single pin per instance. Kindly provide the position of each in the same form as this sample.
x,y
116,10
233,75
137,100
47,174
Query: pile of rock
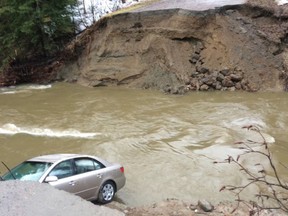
x,y
205,79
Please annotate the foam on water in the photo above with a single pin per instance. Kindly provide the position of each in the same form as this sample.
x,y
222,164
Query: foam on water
x,y
246,121
23,88
239,123
12,129
37,87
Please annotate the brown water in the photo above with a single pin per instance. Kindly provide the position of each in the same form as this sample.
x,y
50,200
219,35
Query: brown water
x,y
167,143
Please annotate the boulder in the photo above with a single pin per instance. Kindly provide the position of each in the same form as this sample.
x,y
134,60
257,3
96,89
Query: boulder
x,y
227,82
205,205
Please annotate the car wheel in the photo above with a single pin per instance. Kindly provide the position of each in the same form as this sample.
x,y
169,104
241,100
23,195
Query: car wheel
x,y
106,193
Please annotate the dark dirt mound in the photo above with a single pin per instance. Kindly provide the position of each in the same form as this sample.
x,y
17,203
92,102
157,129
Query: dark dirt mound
x,y
240,47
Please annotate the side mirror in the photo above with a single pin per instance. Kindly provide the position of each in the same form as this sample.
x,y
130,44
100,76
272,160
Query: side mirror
x,y
51,179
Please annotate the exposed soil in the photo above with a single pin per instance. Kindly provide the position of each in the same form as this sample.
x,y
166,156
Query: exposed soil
x,y
240,47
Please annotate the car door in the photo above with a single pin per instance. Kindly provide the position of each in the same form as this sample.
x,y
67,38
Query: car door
x,y
89,174
65,172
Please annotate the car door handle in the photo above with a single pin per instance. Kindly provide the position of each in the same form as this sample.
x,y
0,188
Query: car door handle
x,y
99,175
72,183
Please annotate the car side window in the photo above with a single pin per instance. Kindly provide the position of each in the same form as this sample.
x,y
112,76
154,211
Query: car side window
x,y
86,165
62,170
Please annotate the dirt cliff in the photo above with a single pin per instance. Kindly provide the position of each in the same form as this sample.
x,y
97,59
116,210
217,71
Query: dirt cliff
x,y
240,47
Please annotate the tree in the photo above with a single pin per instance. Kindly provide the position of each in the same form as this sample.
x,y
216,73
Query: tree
x,y
274,189
31,28
90,11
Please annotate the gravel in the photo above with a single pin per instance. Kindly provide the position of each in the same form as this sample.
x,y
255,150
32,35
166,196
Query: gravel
x,y
32,198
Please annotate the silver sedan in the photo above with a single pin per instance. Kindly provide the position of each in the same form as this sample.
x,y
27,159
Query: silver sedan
x,y
87,176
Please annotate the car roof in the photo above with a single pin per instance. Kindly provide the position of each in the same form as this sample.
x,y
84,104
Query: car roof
x,y
52,158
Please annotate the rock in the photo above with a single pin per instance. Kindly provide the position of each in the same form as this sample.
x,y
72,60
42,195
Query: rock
x,y
238,86
218,85
244,84
252,87
194,74
199,47
203,70
193,207
204,87
237,68
225,71
205,205
193,61
227,82
220,77
196,56
179,90
236,77
194,84
209,80
232,89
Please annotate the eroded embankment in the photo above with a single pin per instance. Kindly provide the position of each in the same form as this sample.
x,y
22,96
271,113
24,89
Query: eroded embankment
x,y
231,48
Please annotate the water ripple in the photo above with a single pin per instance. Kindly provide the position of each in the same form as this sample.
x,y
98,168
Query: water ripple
x,y
12,129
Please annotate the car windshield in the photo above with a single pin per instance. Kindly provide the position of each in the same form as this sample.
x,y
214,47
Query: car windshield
x,y
28,170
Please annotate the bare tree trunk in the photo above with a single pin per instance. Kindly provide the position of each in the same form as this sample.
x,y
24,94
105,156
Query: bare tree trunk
x,y
93,10
40,30
84,7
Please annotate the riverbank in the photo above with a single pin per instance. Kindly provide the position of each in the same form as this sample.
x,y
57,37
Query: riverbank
x,y
238,47
175,50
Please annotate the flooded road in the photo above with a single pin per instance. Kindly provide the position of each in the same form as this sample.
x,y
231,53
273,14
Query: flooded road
x,y
167,143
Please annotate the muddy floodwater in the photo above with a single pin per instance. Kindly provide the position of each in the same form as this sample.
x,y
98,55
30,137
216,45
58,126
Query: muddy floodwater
x,y
167,143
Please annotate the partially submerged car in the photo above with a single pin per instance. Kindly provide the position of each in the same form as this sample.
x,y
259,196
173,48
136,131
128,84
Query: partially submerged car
x,y
89,177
